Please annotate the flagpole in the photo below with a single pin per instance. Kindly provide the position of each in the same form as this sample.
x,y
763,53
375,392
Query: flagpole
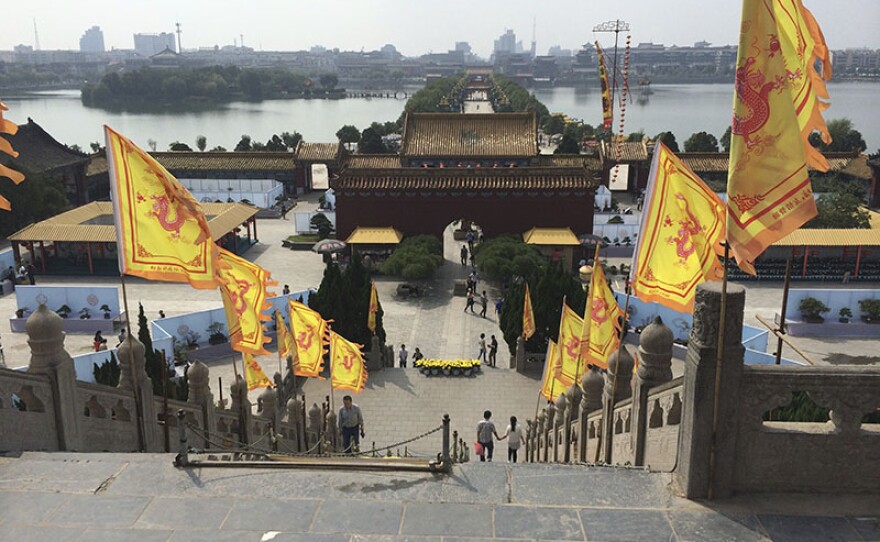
x,y
719,352
330,369
586,333
785,288
134,380
616,371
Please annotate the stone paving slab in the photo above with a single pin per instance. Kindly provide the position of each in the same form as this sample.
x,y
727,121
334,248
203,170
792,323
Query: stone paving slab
x,y
491,502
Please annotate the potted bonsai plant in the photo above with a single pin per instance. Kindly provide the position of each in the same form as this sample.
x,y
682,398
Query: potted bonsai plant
x,y
812,310
216,335
19,313
845,314
106,310
870,310
63,311
192,340
85,313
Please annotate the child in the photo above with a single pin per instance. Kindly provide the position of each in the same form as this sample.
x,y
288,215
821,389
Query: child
x,y
515,433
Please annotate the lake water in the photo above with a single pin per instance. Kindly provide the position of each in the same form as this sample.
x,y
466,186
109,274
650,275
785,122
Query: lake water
x,y
682,109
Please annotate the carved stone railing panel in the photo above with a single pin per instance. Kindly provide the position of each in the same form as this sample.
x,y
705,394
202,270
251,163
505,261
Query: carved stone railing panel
x,y
663,424
27,420
227,432
107,418
839,455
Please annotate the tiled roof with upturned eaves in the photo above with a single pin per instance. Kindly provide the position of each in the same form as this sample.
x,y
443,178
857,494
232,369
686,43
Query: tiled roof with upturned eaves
x,y
489,135
40,152
234,161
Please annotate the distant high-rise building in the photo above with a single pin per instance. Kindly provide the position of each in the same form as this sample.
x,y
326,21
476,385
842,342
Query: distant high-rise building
x,y
150,44
506,43
92,41
463,46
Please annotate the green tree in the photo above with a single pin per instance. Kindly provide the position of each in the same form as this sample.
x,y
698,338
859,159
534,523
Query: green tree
x,y
636,137
841,209
701,142
554,124
502,258
668,139
548,288
371,142
844,137
725,140
244,144
415,258
37,197
321,223
201,143
328,81
251,84
291,140
275,143
180,147
108,372
348,134
154,360
568,145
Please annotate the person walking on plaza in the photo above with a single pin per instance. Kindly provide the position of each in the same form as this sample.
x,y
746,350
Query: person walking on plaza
x,y
121,337
402,355
30,274
482,354
417,355
484,302
464,255
470,240
493,349
515,438
485,432
351,425
498,306
470,301
286,290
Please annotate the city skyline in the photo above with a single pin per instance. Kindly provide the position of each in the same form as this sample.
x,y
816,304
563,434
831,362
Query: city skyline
x,y
281,26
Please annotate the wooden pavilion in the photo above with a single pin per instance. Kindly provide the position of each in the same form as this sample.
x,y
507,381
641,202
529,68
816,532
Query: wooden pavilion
x,y
88,234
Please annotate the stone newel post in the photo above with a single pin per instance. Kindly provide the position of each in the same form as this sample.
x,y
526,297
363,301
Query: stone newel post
x,y
49,358
592,384
241,406
620,363
130,350
295,420
655,367
200,394
695,457
267,406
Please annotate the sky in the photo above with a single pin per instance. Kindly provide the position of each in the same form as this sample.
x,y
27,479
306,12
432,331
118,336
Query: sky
x,y
414,26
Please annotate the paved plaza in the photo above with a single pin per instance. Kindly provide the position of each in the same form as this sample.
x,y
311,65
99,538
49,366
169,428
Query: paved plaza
x,y
142,497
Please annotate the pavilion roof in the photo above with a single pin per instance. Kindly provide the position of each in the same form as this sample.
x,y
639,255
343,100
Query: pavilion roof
x,y
318,152
489,135
848,163
550,236
72,225
38,151
629,151
374,236
454,179
211,161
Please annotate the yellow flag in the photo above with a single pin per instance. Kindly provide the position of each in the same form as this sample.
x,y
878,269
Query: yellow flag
x,y
310,336
528,325
607,104
8,127
243,290
602,317
285,341
254,374
680,235
374,308
571,327
347,368
161,231
551,386
778,103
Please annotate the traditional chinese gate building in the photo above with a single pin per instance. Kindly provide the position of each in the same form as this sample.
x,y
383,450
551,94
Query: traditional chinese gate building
x,y
482,167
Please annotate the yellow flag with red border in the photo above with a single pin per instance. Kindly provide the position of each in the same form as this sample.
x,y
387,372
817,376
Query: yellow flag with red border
x,y
777,105
310,336
347,368
681,234
243,287
161,230
254,374
569,346
528,315
285,341
8,127
601,322
374,308
551,386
